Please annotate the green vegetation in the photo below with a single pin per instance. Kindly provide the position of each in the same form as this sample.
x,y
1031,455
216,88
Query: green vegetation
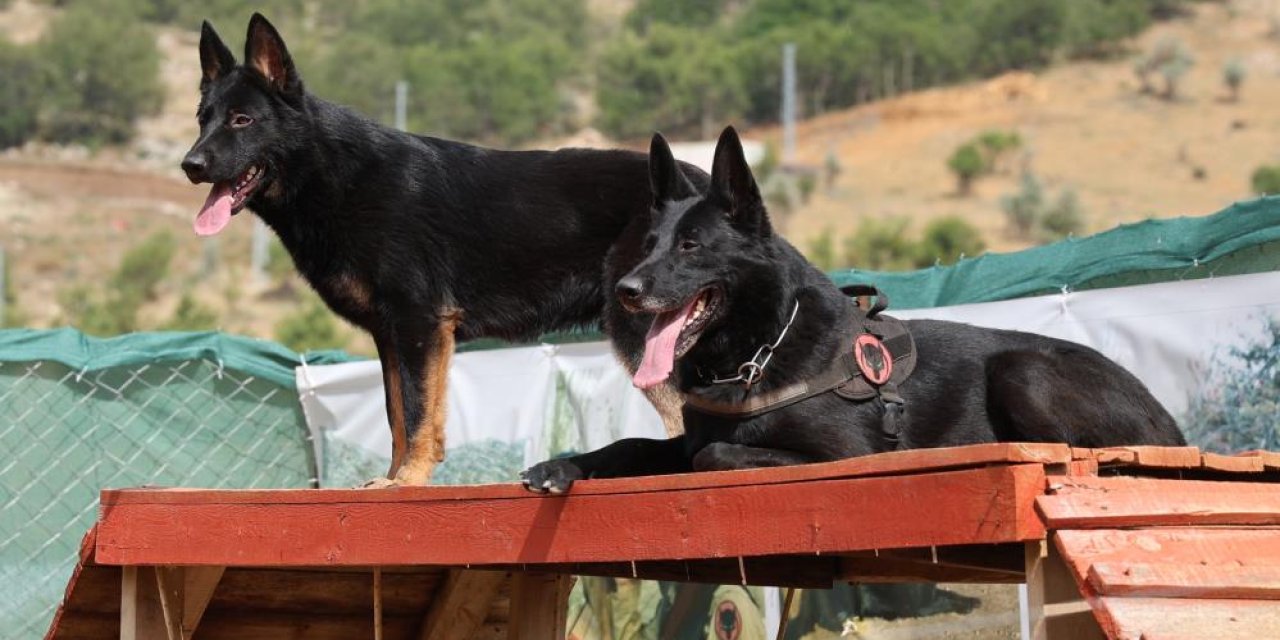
x,y
20,100
1170,59
508,71
885,245
1031,216
134,282
1233,73
967,163
191,316
1266,179
1235,407
312,327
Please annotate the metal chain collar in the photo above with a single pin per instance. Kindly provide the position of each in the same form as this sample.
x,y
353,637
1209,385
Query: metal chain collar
x,y
751,371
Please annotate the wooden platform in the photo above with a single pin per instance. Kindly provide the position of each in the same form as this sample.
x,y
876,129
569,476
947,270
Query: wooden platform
x,y
1134,543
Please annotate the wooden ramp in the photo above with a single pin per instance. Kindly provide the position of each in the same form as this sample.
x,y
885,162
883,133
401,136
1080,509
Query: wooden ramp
x,y
1089,530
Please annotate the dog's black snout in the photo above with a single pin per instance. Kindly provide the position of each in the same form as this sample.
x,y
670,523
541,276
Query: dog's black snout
x,y
630,288
196,166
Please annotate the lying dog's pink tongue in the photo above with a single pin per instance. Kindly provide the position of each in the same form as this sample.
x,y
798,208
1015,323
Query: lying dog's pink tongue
x,y
216,212
660,347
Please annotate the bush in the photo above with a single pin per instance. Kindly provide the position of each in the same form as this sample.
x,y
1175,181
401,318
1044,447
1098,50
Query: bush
x,y
1233,73
967,164
822,250
1064,218
144,266
1266,179
191,316
1022,209
1170,59
881,245
946,239
20,100
311,328
995,144
107,75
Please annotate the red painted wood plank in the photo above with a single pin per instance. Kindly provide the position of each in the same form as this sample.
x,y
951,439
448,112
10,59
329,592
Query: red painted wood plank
x,y
1227,549
1270,459
1234,464
1172,580
1174,619
1081,502
1148,456
990,504
893,463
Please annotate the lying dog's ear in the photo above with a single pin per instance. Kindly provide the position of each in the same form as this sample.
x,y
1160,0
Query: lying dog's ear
x,y
732,182
265,53
215,57
666,180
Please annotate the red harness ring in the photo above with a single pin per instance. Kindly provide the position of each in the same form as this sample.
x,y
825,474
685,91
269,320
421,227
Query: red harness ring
x,y
873,358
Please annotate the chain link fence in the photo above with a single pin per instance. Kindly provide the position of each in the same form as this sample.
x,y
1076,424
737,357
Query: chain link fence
x,y
78,415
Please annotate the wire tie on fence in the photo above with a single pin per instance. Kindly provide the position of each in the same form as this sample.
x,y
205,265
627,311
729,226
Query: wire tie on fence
x,y
80,374
218,373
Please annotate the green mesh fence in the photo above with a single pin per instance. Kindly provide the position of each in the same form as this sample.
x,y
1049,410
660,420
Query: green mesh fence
x,y
79,414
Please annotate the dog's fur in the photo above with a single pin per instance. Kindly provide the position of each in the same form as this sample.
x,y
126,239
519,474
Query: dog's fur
x,y
970,385
418,240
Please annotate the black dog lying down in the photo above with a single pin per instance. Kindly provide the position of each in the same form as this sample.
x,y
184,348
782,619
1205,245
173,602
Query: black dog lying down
x,y
778,366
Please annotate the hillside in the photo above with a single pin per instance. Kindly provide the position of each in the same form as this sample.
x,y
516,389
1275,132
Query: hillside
x,y
67,215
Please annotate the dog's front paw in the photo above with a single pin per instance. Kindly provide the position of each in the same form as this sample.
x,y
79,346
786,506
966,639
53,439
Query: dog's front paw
x,y
552,476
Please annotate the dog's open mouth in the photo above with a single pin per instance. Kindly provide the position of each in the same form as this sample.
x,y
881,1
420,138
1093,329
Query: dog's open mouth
x,y
226,199
673,333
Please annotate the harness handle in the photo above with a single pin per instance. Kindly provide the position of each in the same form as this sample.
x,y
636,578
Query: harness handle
x,y
860,290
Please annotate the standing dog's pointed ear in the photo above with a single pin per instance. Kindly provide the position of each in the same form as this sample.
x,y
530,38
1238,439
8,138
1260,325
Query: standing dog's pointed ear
x,y
215,57
666,180
265,53
731,180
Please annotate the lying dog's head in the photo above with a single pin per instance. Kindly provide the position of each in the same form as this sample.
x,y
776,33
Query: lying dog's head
x,y
247,114
700,248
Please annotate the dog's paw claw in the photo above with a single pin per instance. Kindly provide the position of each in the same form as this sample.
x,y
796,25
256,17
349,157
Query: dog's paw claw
x,y
552,476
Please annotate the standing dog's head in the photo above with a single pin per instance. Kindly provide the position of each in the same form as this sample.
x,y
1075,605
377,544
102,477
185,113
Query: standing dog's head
x,y
248,118
701,248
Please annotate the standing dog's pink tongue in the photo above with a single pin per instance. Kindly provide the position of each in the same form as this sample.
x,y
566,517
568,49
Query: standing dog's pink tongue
x,y
660,347
216,212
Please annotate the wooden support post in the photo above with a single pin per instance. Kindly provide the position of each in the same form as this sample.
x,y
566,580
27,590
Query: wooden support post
x,y
1055,608
538,606
141,616
165,602
459,609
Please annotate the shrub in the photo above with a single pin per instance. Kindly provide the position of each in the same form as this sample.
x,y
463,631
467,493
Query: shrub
x,y
881,245
946,239
1266,179
822,250
1170,59
1022,208
1233,73
108,75
20,100
311,328
191,316
967,164
144,266
1064,218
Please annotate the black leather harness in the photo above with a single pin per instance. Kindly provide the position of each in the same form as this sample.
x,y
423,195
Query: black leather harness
x,y
881,356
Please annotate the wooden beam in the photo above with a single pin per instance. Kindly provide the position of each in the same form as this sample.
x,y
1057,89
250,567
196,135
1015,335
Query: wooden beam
x,y
199,584
1173,580
416,525
1090,503
460,606
141,614
1033,561
538,606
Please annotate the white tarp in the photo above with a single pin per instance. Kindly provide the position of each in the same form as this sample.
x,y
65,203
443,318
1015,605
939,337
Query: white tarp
x,y
547,399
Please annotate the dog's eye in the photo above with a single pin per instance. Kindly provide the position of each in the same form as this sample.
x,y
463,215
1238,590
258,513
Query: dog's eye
x,y
689,245
239,120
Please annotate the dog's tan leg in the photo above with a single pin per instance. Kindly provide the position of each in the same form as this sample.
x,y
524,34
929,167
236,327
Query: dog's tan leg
x,y
393,384
426,445
668,401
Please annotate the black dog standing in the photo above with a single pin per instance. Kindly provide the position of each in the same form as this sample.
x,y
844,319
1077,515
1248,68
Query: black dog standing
x,y
418,240
778,366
